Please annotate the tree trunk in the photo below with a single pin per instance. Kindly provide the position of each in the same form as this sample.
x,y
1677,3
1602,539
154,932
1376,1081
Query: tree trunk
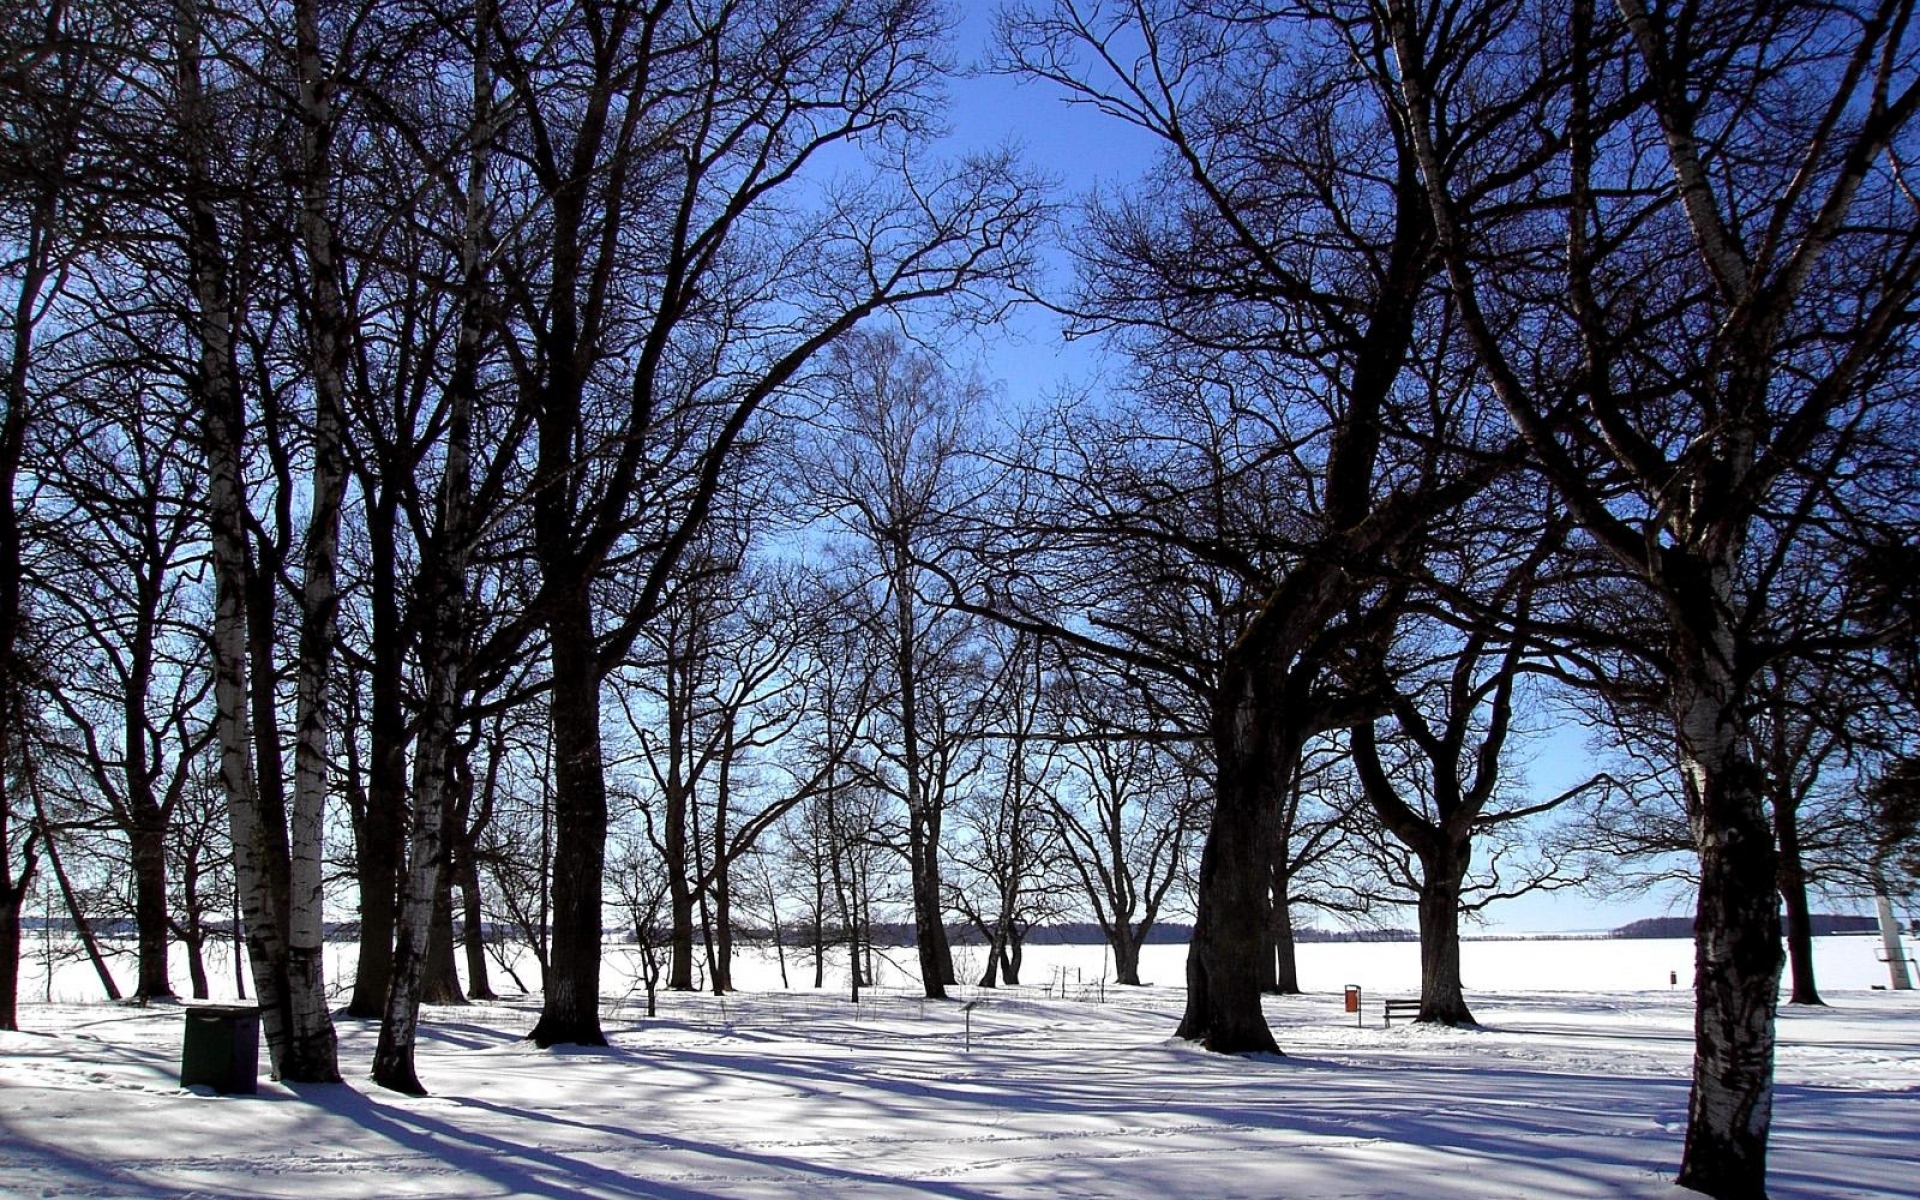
x,y
1286,966
722,964
443,640
1126,954
441,982
819,930
196,944
923,824
674,852
1793,894
990,977
146,819
927,922
571,1013
383,826
257,818
1225,960
393,1056
677,848
193,933
34,272
313,1035
1445,870
473,925
13,896
1737,956
151,925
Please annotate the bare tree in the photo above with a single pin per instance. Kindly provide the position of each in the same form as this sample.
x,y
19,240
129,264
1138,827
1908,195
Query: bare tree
x,y
57,88
119,516
1129,807
890,470
663,291
1274,281
1454,696
1726,318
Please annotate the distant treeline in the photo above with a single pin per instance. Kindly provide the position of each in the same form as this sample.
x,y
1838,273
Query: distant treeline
x,y
1682,927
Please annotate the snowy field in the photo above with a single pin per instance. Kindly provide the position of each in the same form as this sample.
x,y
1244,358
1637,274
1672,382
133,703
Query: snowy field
x,y
1574,1086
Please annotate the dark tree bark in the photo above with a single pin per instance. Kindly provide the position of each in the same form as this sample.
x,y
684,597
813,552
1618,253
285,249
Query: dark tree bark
x,y
1199,278
1793,895
1444,870
1226,962
14,888
571,1012
382,827
631,450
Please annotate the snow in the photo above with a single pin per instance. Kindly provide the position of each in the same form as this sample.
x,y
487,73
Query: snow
x,y
1575,1085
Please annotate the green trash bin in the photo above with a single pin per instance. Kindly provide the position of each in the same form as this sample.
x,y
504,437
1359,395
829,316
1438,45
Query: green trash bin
x,y
222,1048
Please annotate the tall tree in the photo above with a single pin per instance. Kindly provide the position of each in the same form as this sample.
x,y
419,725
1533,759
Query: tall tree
x,y
676,271
1129,805
1274,282
1694,360
209,172
1454,689
897,460
60,80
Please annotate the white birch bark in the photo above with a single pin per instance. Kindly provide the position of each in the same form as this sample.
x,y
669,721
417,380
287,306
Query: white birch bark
x,y
312,1026
257,855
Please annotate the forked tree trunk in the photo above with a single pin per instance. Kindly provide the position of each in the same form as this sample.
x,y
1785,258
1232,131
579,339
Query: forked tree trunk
x,y
147,827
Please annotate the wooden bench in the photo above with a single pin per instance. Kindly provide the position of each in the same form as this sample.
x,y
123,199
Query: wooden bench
x,y
1408,1009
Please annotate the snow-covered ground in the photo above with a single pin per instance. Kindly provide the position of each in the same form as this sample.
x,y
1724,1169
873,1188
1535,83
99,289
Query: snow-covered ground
x,y
1573,1086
